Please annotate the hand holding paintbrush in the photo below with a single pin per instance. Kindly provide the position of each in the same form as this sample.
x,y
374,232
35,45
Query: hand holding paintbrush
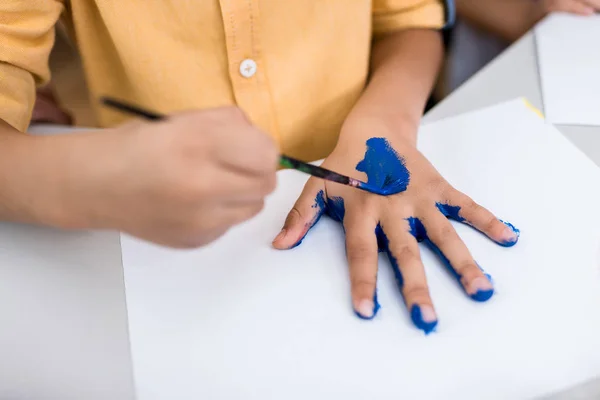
x,y
284,160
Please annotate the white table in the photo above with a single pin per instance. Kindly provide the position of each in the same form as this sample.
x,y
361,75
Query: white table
x,y
499,81
63,317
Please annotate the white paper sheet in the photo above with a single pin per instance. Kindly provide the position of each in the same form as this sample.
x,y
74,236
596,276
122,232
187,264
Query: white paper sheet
x,y
239,320
569,65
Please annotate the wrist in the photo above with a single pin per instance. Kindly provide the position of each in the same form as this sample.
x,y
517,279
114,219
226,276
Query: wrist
x,y
399,130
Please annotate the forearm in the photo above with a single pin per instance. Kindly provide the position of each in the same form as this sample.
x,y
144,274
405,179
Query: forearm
x,y
507,19
31,182
404,68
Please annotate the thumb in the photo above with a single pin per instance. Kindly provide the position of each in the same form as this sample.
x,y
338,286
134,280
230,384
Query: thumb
x,y
304,215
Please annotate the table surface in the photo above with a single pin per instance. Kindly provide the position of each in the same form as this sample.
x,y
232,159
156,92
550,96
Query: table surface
x,y
62,297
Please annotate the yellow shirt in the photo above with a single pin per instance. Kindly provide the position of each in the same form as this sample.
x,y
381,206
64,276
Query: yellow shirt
x,y
296,67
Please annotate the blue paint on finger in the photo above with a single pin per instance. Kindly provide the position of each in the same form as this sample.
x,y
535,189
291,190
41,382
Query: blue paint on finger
x,y
336,209
450,211
385,169
417,318
384,245
319,206
376,308
417,229
517,232
482,295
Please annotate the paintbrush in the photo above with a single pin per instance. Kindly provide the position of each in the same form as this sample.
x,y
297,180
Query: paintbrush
x,y
284,160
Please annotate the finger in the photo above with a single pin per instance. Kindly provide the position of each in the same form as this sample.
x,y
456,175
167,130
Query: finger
x,y
233,187
579,7
304,215
236,215
403,252
230,138
247,149
443,240
462,208
361,250
593,4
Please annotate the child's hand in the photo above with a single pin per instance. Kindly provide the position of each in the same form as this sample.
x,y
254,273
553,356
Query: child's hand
x,y
396,223
47,110
581,7
182,182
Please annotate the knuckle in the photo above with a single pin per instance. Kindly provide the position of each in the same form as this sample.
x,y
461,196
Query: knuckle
x,y
467,269
416,291
404,252
293,216
358,252
471,206
438,185
445,232
362,284
490,224
188,192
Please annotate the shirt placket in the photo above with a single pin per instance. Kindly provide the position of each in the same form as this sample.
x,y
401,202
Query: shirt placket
x,y
247,70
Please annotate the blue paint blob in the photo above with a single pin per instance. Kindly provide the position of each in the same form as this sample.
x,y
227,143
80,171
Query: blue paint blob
x,y
482,295
386,171
517,232
335,208
376,308
384,245
417,319
450,211
417,229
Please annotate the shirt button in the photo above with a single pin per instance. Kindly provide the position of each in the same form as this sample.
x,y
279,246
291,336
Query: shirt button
x,y
248,68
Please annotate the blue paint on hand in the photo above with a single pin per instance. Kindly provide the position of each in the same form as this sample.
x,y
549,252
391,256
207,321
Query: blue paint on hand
x,y
516,231
417,229
482,295
450,211
335,208
386,170
387,174
376,308
417,319
320,206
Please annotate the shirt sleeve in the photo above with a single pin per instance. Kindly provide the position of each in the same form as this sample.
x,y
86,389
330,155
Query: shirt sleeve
x,y
26,40
394,15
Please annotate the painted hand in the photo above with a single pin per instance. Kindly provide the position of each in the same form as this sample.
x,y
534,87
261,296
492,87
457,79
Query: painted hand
x,y
395,224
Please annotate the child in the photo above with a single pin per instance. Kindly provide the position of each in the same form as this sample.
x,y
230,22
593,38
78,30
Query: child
x,y
486,27
297,69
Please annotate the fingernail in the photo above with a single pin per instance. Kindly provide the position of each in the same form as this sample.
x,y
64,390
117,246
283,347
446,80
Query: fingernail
x,y
280,236
481,289
511,234
424,318
365,309
589,11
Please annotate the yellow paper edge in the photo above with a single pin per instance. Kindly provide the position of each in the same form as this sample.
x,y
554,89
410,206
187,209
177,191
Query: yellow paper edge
x,y
533,108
